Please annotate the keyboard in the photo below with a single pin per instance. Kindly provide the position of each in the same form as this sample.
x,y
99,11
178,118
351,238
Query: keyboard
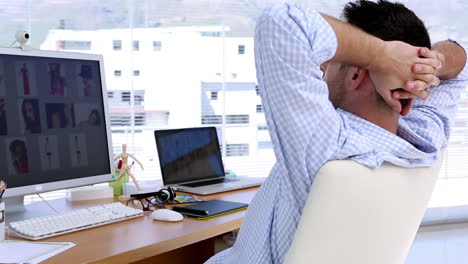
x,y
210,182
54,225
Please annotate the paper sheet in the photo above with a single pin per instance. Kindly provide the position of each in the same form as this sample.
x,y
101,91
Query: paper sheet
x,y
15,251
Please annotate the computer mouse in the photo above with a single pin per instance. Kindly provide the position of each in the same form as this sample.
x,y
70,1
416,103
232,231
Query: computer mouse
x,y
167,215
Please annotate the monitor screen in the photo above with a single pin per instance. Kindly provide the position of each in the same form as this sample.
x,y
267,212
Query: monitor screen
x,y
189,154
53,121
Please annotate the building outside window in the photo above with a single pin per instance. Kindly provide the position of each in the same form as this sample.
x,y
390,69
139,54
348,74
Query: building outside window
x,y
117,73
136,73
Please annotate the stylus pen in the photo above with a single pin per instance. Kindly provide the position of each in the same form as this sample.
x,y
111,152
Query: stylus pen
x,y
190,210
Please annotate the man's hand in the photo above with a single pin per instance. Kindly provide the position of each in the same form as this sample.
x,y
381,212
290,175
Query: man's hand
x,y
422,69
400,66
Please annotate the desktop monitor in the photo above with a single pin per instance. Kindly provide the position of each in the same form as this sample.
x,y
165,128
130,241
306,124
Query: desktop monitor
x,y
54,121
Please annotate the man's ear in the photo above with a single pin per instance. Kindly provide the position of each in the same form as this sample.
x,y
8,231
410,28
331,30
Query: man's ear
x,y
358,75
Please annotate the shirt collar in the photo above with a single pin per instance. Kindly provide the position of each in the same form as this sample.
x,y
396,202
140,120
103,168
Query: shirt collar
x,y
406,144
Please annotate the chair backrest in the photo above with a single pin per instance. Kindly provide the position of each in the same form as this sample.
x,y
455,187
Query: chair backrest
x,y
358,215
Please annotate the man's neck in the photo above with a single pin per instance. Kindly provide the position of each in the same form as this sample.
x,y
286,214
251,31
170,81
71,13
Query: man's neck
x,y
384,118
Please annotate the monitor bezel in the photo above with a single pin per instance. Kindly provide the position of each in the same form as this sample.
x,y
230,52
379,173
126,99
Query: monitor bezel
x,y
72,183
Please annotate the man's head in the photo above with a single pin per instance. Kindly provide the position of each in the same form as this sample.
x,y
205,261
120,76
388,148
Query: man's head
x,y
387,21
383,19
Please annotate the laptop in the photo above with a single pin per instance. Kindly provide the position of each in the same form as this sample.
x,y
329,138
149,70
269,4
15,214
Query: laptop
x,y
190,160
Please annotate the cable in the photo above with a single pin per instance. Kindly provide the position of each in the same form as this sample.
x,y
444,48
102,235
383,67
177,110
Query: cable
x,y
12,43
51,207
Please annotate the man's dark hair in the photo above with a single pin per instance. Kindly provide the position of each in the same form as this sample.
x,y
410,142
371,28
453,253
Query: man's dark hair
x,y
387,21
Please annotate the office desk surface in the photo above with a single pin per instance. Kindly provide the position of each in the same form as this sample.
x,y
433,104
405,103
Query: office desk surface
x,y
141,238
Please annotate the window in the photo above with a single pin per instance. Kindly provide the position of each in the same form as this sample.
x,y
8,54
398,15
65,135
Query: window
x,y
259,109
136,45
75,45
110,94
233,150
185,103
214,95
125,96
140,119
211,119
139,99
136,73
117,45
120,119
157,45
237,119
241,49
210,34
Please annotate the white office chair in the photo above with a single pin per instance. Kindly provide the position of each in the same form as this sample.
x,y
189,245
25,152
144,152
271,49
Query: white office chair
x,y
358,215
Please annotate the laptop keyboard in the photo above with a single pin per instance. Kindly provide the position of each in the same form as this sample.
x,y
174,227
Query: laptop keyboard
x,y
210,182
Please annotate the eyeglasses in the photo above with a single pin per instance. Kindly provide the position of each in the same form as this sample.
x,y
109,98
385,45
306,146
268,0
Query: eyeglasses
x,y
154,200
146,204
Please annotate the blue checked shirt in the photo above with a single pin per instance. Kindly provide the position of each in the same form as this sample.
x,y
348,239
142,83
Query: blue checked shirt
x,y
306,130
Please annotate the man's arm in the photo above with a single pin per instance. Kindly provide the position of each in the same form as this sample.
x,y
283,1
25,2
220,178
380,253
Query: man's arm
x,y
432,118
290,44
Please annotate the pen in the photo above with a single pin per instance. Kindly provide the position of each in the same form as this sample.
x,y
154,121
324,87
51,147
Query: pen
x,y
190,210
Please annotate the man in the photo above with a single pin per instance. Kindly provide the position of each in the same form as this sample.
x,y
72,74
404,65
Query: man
x,y
352,112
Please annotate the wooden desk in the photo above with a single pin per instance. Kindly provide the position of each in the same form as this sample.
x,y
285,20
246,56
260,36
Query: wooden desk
x,y
143,240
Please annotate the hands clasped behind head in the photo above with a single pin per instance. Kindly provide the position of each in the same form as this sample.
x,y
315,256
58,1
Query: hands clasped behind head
x,y
410,68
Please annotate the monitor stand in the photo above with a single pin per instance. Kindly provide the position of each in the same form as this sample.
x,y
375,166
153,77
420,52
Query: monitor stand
x,y
15,210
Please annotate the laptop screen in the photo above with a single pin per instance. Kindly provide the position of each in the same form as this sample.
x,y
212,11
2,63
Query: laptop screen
x,y
189,154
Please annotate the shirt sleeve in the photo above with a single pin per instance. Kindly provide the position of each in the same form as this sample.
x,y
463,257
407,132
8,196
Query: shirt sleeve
x,y
290,45
432,119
